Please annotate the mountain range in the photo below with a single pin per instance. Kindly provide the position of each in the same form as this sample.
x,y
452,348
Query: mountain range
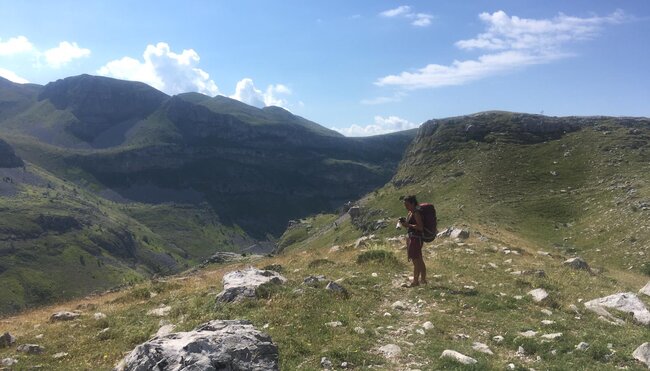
x,y
115,180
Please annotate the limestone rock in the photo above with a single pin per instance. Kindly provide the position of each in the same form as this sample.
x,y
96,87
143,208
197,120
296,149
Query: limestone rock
x,y
398,305
334,324
216,345
64,316
538,294
242,284
553,336
459,357
458,233
390,350
646,289
60,355
8,362
577,263
326,363
582,346
528,334
427,326
99,316
165,330
483,348
160,311
359,330
625,302
642,353
7,340
498,339
30,348
333,286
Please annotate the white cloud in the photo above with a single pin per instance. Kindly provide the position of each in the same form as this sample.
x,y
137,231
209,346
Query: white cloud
x,y
163,69
512,43
382,125
11,76
404,11
15,45
246,92
64,54
400,10
422,20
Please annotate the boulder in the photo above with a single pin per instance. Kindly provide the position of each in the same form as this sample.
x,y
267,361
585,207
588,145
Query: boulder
x,y
642,353
242,284
333,286
625,302
459,357
216,345
646,289
7,340
577,263
64,316
483,348
538,294
458,233
99,316
30,348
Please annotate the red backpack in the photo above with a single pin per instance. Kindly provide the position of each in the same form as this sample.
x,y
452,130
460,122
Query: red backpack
x,y
430,221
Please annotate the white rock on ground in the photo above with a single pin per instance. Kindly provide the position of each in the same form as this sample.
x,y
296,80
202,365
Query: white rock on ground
x,y
498,339
577,263
458,233
390,350
646,289
242,284
334,324
625,302
227,345
427,325
359,330
459,357
582,346
538,294
483,348
552,336
59,355
8,362
30,348
528,334
398,305
165,330
642,353
160,311
99,316
64,316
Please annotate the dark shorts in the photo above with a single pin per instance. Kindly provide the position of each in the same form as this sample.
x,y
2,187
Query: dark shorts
x,y
414,247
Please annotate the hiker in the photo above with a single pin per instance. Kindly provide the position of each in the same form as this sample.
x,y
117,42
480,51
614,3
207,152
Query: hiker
x,y
414,223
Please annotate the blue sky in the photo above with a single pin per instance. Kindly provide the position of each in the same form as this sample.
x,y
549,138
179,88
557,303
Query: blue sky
x,y
363,67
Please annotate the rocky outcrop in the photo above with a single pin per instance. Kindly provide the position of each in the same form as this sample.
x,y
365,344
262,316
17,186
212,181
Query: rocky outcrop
x,y
216,345
577,263
64,316
625,302
642,353
243,284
